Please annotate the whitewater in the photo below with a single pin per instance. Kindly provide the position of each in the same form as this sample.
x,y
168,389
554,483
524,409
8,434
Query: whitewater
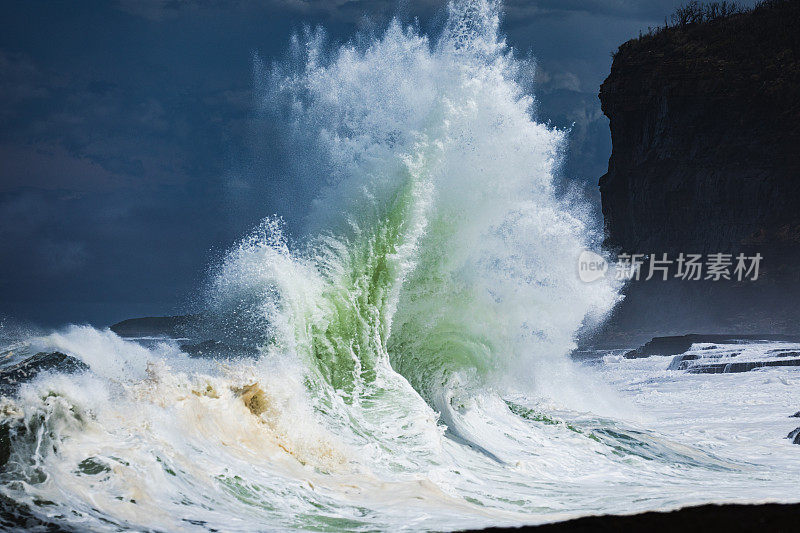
x,y
412,363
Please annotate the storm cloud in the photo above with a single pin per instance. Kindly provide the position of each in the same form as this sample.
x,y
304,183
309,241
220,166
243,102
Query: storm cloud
x,y
132,155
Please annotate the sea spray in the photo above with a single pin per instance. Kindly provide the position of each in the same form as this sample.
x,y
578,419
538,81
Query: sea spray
x,y
443,246
412,364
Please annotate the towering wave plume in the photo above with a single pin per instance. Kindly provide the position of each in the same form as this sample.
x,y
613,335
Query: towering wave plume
x,y
442,249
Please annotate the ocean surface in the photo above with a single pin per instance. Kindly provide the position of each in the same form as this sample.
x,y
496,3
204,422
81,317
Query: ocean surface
x,y
406,363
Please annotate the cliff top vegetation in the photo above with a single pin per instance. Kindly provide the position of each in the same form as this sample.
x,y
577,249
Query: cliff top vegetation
x,y
705,17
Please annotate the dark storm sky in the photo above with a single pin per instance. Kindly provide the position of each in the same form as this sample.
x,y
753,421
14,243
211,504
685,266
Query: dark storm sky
x,y
127,153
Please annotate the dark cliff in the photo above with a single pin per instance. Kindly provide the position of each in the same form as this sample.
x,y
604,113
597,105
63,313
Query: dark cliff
x,y
705,126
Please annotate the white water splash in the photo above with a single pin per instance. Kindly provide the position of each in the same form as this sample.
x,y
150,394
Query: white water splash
x,y
413,364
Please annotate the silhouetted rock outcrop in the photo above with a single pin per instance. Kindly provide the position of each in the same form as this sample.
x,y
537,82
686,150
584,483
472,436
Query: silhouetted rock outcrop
x,y
737,367
705,126
156,326
732,518
11,377
678,344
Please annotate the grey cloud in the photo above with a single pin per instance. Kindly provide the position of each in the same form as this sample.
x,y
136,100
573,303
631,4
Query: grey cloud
x,y
351,11
161,10
22,81
548,81
62,256
127,142
49,166
653,11
521,10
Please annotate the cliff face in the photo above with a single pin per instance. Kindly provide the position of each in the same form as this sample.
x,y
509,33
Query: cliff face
x,y
705,125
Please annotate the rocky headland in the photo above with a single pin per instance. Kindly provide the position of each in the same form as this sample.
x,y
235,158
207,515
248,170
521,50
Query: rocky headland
x,y
705,126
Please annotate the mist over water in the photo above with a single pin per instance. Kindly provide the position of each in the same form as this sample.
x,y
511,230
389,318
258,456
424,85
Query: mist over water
x,y
413,347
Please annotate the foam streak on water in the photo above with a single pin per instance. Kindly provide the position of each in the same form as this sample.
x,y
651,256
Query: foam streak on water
x,y
412,366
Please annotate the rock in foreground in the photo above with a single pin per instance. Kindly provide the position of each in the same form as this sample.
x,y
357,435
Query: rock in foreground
x,y
702,519
13,376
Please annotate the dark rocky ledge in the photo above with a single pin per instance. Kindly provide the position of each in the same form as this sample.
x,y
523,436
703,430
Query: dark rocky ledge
x,y
156,326
678,344
730,518
200,336
13,376
736,367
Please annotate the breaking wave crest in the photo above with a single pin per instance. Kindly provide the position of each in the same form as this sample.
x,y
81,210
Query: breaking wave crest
x,y
412,361
441,246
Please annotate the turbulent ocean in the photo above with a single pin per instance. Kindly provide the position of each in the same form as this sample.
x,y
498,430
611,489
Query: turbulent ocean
x,y
409,362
